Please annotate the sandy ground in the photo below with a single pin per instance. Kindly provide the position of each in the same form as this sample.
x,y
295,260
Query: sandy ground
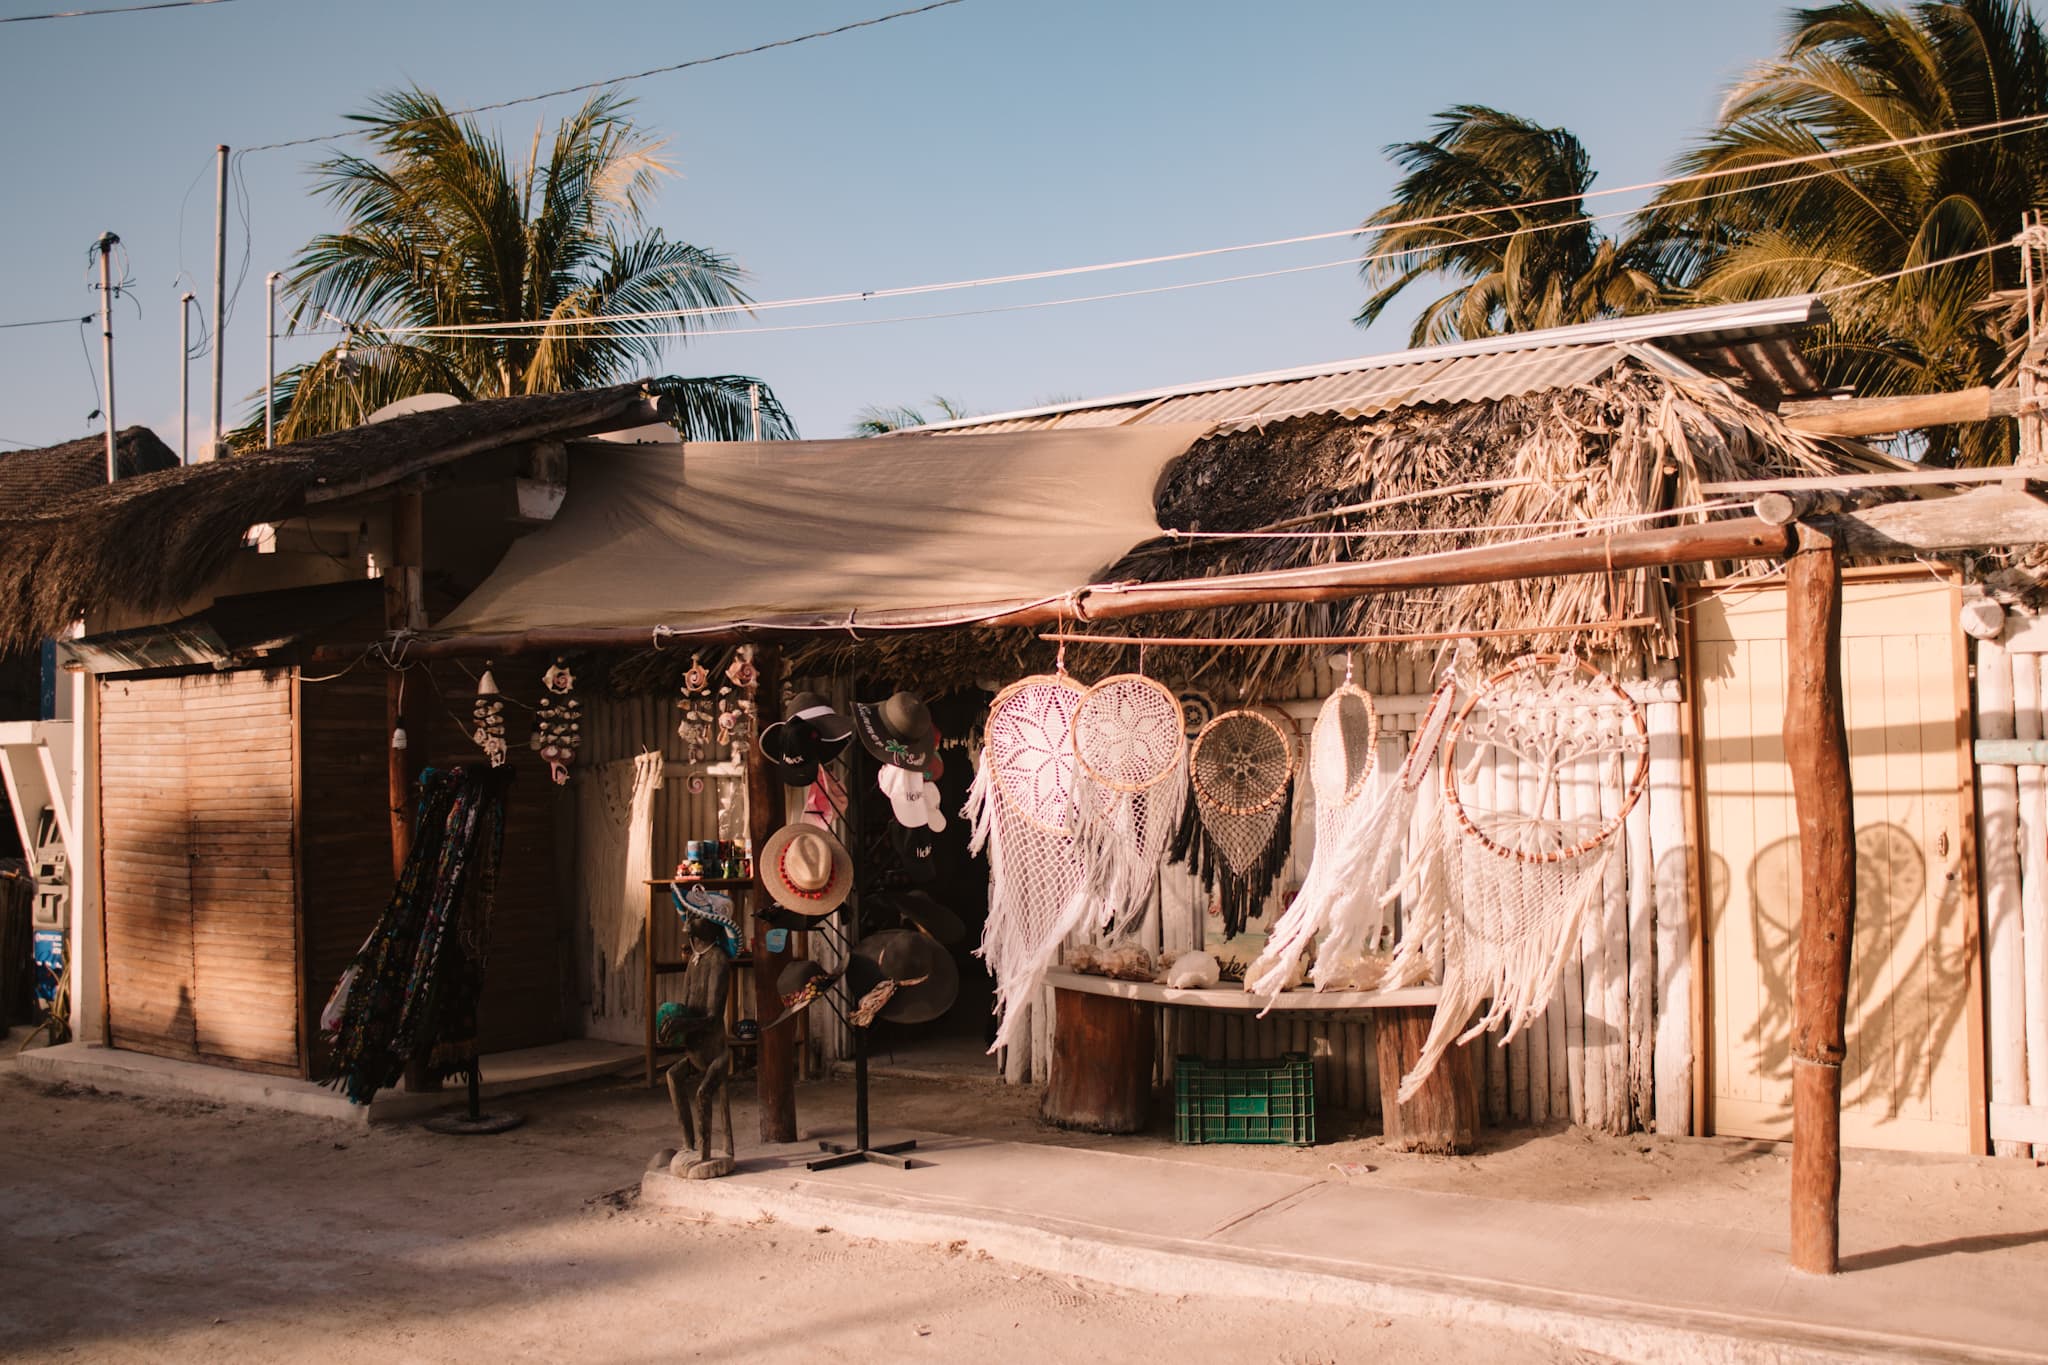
x,y
153,1230
140,1230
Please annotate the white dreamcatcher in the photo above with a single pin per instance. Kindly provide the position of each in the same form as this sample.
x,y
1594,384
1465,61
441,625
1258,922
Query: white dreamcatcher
x,y
1342,753
1021,808
1518,875
1130,784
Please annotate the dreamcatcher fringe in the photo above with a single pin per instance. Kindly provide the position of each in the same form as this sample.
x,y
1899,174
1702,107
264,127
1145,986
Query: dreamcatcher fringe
x,y
1345,899
1242,897
1027,866
1486,959
1116,845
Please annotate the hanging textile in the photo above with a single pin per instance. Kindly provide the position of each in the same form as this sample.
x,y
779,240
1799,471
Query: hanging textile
x,y
1021,808
1342,753
1520,870
1130,784
413,988
1236,832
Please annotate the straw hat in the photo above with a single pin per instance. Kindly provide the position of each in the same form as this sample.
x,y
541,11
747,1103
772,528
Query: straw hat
x,y
806,869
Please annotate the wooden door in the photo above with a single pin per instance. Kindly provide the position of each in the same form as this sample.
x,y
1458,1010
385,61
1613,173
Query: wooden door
x,y
1907,1082
198,820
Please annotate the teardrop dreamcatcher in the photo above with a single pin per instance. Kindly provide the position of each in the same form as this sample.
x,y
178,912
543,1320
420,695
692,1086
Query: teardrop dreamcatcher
x,y
1130,784
1237,832
1521,871
1021,807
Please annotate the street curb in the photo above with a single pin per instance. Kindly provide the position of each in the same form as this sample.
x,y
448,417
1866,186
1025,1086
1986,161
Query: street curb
x,y
1173,1266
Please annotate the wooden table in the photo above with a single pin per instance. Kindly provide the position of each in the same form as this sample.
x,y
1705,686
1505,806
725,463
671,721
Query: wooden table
x,y
1103,1039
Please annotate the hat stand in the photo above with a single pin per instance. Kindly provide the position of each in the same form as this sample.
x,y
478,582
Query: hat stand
x,y
858,774
473,1122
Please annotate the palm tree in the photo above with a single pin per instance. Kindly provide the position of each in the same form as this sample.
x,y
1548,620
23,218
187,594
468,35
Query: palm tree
x,y
443,232
880,420
1853,74
1521,268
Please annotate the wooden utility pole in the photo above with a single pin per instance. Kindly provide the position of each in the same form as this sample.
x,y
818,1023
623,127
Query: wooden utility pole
x,y
404,609
775,1069
1817,749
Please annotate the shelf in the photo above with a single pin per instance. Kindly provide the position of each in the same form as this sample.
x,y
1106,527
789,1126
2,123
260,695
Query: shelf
x,y
678,966
714,883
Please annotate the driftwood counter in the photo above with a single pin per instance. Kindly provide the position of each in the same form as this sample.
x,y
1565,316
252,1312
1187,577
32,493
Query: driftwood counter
x,y
1102,1049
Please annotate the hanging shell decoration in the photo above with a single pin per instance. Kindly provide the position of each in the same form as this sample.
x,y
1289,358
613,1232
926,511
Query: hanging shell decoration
x,y
736,703
695,728
558,726
488,717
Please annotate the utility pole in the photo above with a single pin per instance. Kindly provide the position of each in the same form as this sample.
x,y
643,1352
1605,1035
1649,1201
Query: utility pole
x,y
105,246
220,291
185,302
270,360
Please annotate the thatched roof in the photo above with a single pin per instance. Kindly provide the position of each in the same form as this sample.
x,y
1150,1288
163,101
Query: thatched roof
x,y
155,541
1642,438
33,479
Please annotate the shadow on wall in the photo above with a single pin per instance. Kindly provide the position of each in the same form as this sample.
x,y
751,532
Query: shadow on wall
x,y
1899,1023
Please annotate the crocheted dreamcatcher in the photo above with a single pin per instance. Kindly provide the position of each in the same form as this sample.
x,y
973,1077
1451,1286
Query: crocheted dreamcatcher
x,y
1520,870
1237,832
1343,750
1021,808
558,725
1130,784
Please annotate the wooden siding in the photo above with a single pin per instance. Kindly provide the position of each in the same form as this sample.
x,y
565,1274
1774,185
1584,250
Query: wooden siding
x,y
197,807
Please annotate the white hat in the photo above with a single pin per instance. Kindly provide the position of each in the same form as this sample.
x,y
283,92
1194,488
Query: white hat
x,y
806,870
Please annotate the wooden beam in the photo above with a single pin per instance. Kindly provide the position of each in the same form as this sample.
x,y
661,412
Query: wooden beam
x,y
1898,478
1902,412
1984,518
1817,750
775,1068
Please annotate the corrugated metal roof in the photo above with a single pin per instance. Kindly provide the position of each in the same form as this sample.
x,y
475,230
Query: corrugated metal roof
x,y
1750,343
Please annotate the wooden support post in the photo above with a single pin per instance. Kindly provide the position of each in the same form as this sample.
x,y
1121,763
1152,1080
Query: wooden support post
x,y
1101,1079
1444,1115
404,709
1817,749
775,1072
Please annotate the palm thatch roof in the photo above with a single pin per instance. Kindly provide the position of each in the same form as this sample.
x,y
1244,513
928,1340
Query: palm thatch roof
x,y
1640,439
153,542
32,479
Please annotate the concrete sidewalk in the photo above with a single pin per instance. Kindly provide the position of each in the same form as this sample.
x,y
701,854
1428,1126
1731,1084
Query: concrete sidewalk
x,y
98,1067
1635,1288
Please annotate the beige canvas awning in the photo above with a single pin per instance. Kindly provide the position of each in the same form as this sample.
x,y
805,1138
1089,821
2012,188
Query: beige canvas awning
x,y
708,533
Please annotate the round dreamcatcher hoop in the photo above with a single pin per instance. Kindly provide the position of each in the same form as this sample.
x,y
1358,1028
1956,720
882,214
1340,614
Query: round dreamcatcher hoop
x,y
1343,747
1553,711
1029,741
1128,734
1241,762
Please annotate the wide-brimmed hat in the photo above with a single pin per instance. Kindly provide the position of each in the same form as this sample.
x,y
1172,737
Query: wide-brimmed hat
x,y
800,983
896,731
919,911
926,980
806,869
793,752
815,714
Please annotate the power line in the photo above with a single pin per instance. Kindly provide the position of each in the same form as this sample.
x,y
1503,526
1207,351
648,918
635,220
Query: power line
x,y
42,322
1976,132
118,9
621,80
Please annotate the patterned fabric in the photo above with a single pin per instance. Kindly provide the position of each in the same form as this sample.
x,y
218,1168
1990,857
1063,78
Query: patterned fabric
x,y
413,987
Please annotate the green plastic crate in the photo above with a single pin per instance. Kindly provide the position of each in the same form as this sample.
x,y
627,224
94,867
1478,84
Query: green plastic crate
x,y
1271,1101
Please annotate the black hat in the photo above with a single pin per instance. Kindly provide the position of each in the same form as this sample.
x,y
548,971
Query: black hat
x,y
801,982
917,850
919,911
793,752
897,731
813,712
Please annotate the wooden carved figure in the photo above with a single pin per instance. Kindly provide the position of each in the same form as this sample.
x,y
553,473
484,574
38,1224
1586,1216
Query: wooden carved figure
x,y
703,1072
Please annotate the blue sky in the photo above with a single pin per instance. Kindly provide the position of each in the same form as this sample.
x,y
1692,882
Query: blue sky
x,y
992,137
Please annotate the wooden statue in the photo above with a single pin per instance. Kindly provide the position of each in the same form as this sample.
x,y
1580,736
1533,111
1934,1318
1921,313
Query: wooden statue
x,y
698,1027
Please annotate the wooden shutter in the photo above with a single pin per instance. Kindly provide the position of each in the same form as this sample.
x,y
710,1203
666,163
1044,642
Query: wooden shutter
x,y
198,816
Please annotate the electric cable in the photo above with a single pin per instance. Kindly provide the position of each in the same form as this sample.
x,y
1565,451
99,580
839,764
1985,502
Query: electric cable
x,y
116,9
